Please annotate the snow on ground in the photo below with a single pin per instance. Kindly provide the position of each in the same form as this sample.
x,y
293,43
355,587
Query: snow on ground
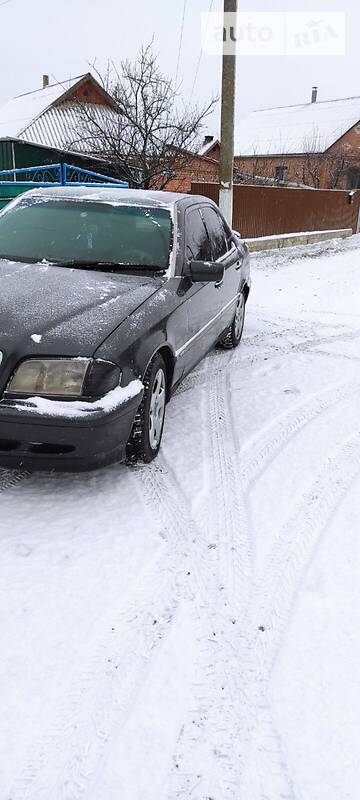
x,y
191,629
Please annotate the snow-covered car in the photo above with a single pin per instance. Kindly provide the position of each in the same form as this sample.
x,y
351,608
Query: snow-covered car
x,y
109,297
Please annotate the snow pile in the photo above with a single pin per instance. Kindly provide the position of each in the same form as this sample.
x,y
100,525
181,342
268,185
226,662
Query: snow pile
x,y
75,409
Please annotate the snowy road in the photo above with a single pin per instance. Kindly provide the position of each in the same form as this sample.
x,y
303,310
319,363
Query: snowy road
x,y
190,630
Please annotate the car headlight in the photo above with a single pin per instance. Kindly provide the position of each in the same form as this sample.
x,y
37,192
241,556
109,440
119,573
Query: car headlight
x,y
50,377
65,377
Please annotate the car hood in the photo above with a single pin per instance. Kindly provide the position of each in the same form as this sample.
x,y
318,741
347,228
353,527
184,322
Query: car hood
x,y
63,311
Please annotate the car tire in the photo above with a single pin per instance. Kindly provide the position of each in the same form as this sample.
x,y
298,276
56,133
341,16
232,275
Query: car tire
x,y
145,439
232,336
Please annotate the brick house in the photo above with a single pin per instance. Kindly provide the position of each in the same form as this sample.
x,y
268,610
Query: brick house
x,y
195,167
315,144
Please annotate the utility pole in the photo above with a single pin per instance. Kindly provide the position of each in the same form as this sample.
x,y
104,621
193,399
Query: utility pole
x,y
227,119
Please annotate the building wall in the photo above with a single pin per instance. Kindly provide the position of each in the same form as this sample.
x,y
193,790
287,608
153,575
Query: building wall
x,y
254,167
6,157
86,92
214,152
199,169
29,155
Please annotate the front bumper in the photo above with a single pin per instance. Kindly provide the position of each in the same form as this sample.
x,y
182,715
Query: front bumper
x,y
37,441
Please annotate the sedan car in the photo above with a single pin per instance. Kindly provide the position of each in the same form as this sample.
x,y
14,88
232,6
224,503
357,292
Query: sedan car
x,y
109,297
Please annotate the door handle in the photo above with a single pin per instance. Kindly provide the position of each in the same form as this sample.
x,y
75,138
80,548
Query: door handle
x,y
219,284
238,265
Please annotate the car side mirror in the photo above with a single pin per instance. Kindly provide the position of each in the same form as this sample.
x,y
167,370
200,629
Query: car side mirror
x,y
206,271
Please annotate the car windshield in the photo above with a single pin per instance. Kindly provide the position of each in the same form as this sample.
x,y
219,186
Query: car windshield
x,y
87,233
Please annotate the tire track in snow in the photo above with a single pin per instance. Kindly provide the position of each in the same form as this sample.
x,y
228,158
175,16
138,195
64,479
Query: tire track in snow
x,y
218,362
99,703
260,450
232,482
256,457
212,620
278,585
211,723
79,775
65,758
228,512
10,478
239,535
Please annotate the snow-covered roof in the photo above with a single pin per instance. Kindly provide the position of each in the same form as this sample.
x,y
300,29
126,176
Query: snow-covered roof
x,y
207,146
19,113
61,126
311,127
44,118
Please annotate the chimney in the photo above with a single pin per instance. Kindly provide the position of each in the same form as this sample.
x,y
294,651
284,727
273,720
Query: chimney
x,y
45,81
314,94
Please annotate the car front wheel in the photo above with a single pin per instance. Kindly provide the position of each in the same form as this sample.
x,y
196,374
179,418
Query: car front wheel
x,y
145,439
232,336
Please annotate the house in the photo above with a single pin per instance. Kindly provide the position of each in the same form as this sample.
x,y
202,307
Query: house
x,y
210,148
315,144
192,167
42,127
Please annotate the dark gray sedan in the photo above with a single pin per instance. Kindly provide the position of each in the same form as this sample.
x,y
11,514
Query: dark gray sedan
x,y
109,297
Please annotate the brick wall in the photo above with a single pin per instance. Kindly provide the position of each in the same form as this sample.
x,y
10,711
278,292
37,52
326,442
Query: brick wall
x,y
200,169
316,170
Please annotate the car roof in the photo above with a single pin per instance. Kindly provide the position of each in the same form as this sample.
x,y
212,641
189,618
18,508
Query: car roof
x,y
113,195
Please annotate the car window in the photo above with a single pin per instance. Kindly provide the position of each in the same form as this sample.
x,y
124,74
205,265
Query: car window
x,y
197,245
86,231
216,231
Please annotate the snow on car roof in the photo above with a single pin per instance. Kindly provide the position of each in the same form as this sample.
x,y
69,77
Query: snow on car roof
x,y
310,127
126,197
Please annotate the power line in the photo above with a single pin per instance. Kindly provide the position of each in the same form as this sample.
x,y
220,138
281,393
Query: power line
x,y
200,56
180,42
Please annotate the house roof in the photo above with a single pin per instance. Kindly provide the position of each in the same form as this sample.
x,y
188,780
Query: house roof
x,y
18,114
48,117
208,146
311,127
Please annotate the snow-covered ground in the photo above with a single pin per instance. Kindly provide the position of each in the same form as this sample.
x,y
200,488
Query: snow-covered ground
x,y
191,629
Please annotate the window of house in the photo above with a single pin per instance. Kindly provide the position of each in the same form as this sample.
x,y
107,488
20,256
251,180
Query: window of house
x,y
354,179
281,174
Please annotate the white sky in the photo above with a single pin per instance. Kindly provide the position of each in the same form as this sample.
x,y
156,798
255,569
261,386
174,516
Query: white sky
x,y
61,37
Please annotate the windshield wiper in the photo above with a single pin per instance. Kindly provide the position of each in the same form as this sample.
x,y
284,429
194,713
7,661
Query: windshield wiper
x,y
116,265
16,258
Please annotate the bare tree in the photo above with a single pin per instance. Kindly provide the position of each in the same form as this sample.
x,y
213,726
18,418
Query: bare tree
x,y
339,163
147,137
311,170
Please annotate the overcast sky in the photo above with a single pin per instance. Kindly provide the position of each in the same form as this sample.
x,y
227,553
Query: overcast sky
x,y
61,37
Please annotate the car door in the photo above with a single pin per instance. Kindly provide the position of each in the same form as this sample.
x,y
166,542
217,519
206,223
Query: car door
x,y
201,298
223,250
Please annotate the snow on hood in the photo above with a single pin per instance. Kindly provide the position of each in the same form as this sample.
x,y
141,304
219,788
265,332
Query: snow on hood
x,y
72,310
